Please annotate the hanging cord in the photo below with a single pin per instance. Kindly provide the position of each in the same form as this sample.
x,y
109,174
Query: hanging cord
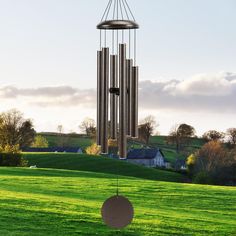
x,y
117,9
114,10
129,10
135,42
122,17
129,44
127,15
117,41
100,31
106,10
113,32
121,10
113,43
105,37
109,9
117,180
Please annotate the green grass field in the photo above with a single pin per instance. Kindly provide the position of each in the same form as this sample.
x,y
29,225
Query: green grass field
x,y
66,202
77,141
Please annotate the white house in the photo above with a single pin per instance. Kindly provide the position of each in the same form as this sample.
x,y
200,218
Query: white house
x,y
147,157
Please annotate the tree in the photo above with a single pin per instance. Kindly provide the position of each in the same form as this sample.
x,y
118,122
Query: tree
x,y
88,127
15,130
60,129
147,128
94,149
40,142
181,135
214,164
213,135
191,161
62,139
231,133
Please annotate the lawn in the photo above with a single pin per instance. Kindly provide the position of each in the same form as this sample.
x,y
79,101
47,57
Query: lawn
x,y
66,202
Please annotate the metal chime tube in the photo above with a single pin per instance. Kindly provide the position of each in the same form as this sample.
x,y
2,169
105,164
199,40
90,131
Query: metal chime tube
x,y
122,102
113,96
129,65
134,102
99,96
104,100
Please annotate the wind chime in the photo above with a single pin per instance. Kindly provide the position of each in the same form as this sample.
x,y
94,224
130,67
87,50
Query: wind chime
x,y
117,84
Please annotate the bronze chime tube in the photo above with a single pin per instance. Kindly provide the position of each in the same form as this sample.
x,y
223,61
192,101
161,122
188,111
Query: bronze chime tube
x,y
134,102
113,96
129,65
104,100
99,96
122,103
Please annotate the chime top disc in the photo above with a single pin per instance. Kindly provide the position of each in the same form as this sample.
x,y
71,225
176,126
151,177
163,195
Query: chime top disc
x,y
117,25
117,212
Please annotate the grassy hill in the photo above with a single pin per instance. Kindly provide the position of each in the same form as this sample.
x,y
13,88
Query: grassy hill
x,y
73,140
155,141
98,164
66,202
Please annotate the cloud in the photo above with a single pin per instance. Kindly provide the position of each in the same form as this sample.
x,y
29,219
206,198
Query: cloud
x,y
208,93
203,85
51,96
211,93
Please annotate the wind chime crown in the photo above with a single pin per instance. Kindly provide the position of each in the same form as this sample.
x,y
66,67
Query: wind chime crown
x,y
117,16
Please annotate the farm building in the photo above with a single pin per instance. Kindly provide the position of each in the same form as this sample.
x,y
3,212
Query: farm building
x,y
148,157
180,164
54,149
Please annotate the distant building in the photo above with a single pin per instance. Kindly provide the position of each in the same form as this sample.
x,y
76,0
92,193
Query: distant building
x,y
180,165
148,157
54,149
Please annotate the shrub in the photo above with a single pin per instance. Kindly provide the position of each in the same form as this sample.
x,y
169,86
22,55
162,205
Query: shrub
x,y
202,178
11,156
40,142
94,149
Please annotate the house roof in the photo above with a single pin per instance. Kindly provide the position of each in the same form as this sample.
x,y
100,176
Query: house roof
x,y
53,149
143,153
180,162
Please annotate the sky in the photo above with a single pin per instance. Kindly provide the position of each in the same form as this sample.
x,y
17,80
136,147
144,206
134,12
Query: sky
x,y
186,53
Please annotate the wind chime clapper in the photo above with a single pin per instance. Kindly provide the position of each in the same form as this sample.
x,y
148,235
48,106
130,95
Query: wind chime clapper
x,y
117,77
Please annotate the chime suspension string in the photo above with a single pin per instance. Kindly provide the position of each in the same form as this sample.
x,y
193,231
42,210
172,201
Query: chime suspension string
x,y
121,10
106,10
129,10
129,44
100,31
113,44
105,37
135,42
114,9
113,31
117,10
109,9
125,10
117,42
117,180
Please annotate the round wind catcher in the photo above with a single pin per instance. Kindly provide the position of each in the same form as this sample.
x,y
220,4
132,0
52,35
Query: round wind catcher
x,y
117,96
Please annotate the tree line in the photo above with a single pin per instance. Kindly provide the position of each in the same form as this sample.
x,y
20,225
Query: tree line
x,y
214,162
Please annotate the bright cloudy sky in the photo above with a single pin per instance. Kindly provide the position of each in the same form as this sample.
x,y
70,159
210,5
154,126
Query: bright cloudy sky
x,y
186,53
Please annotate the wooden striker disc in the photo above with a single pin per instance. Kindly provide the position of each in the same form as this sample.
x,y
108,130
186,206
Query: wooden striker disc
x,y
117,212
